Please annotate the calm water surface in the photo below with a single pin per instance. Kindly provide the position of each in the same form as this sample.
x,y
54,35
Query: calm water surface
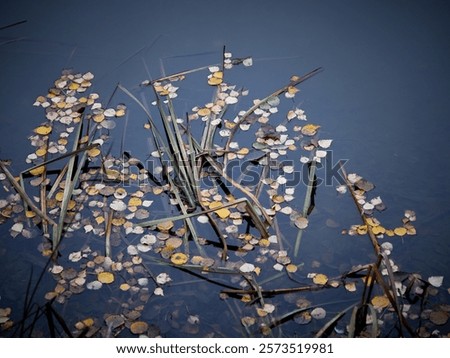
x,y
382,98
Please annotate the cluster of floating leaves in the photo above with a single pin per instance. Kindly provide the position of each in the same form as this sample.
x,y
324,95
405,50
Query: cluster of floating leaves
x,y
101,206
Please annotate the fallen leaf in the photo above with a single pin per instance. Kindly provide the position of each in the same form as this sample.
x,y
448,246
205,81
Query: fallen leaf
x,y
400,231
179,258
318,313
247,267
105,277
436,281
380,301
320,279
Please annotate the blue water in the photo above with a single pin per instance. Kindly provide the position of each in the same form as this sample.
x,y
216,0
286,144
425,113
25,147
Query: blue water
x,y
382,97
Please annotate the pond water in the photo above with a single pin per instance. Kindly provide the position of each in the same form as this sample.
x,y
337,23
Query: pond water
x,y
382,98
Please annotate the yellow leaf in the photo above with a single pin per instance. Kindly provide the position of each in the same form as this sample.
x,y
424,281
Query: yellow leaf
x,y
264,243
100,220
118,221
350,286
98,117
71,205
214,81
218,74
278,199
179,258
291,268
310,129
165,225
59,196
74,86
243,151
389,232
320,279
43,130
138,327
134,201
223,213
93,152
124,287
380,301
292,90
399,231
30,214
120,112
378,230
204,112
88,322
362,229
105,277
41,152
38,171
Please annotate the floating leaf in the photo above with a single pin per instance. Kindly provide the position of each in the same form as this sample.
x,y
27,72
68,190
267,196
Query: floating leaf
x,y
436,281
247,267
179,258
318,313
301,222
138,327
320,279
118,205
43,130
350,286
400,231
158,291
325,143
163,278
248,321
204,112
105,277
38,171
378,230
165,226
310,129
94,285
223,213
439,318
380,301
291,268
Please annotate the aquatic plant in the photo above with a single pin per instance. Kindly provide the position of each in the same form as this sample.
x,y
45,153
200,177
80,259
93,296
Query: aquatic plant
x,y
81,183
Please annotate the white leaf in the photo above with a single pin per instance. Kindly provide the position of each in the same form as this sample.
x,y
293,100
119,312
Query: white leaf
x,y
341,189
247,267
318,313
321,153
436,281
75,256
203,219
163,278
56,269
132,250
147,203
278,267
94,285
143,281
269,308
118,205
158,291
17,227
325,143
304,159
248,62
231,100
